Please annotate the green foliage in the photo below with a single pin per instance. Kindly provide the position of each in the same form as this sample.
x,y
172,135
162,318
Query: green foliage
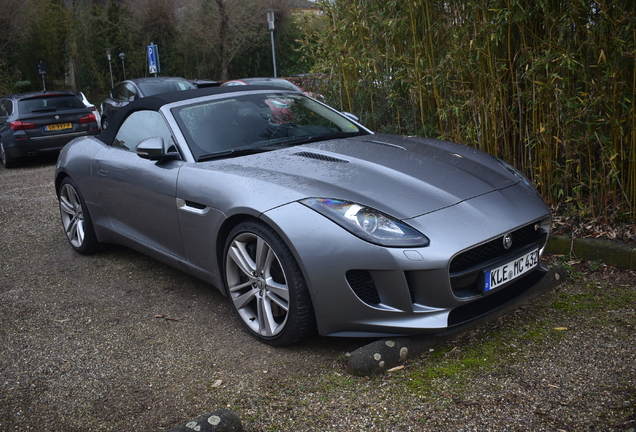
x,y
72,37
547,85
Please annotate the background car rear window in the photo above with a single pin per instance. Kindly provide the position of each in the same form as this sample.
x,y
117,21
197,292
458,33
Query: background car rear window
x,y
141,125
53,103
6,107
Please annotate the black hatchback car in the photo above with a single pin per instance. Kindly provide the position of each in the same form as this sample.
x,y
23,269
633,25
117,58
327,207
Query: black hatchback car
x,y
41,122
129,90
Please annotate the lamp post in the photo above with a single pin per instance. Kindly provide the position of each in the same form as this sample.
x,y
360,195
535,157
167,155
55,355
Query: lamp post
x,y
110,67
270,25
122,56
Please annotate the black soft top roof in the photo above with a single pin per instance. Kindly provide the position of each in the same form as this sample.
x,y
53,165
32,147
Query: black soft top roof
x,y
154,103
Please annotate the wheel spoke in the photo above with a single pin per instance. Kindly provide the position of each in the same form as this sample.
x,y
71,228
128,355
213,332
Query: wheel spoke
x,y
240,256
66,206
282,302
71,229
243,300
278,289
239,286
263,253
269,325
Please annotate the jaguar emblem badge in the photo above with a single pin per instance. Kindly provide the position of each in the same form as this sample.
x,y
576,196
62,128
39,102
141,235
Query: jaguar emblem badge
x,y
507,241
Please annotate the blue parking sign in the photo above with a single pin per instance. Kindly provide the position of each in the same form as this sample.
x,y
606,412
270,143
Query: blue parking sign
x,y
153,59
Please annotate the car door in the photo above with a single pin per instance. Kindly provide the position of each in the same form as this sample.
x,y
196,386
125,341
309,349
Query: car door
x,y
139,195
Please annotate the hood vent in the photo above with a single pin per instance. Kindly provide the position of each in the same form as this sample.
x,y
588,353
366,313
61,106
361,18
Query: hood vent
x,y
319,156
385,143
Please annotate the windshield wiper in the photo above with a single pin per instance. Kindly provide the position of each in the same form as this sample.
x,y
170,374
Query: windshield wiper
x,y
276,145
315,138
232,153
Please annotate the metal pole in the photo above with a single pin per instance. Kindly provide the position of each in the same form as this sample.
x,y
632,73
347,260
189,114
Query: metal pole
x,y
270,26
122,56
273,52
110,67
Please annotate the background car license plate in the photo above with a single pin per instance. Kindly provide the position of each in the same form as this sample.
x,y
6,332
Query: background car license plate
x,y
58,127
501,275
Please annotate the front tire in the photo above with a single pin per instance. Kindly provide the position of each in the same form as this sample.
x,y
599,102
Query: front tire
x,y
76,221
266,286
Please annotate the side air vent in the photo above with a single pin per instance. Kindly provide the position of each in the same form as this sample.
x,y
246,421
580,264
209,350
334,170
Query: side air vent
x,y
362,284
321,157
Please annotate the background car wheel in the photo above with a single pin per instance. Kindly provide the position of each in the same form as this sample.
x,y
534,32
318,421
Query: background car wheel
x,y
265,285
76,220
8,163
104,123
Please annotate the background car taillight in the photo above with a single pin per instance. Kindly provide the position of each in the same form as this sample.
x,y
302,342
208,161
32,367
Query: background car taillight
x,y
87,119
20,125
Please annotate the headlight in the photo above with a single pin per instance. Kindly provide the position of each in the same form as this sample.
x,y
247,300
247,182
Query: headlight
x,y
367,223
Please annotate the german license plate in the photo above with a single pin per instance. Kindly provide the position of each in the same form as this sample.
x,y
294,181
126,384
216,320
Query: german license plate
x,y
56,127
496,277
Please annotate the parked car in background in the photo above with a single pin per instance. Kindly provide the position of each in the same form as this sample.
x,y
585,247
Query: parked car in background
x,y
129,90
41,122
306,220
91,107
202,83
276,82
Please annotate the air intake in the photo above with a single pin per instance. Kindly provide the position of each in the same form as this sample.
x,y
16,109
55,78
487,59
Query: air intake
x,y
319,156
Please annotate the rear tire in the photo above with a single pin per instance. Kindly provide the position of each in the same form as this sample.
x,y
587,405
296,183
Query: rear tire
x,y
265,285
76,221
8,163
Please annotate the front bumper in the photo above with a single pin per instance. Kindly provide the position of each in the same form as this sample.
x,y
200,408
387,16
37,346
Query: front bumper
x,y
409,290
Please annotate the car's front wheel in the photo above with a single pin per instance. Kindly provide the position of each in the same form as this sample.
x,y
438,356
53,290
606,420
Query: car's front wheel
x,y
76,221
266,286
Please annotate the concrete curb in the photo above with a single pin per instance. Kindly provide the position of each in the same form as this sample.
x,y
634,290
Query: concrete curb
x,y
590,249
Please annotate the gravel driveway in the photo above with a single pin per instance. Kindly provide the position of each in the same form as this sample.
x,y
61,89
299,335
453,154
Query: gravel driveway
x,y
119,342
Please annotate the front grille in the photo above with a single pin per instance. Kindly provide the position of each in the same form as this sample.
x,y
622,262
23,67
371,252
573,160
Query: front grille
x,y
362,285
466,268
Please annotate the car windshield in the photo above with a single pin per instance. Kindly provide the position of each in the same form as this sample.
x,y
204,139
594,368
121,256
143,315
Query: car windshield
x,y
50,103
258,121
157,87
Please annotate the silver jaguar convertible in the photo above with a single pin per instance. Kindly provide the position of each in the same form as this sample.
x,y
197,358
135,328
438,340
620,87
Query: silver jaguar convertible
x,y
306,220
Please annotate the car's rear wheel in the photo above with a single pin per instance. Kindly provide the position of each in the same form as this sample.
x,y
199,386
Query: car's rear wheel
x,y
104,123
8,163
76,220
266,286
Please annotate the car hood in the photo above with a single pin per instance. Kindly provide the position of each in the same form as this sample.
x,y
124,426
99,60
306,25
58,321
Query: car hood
x,y
404,177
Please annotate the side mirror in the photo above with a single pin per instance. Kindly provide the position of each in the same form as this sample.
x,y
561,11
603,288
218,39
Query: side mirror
x,y
350,116
131,98
152,148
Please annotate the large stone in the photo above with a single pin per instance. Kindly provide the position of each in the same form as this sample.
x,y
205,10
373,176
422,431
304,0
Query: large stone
x,y
221,420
